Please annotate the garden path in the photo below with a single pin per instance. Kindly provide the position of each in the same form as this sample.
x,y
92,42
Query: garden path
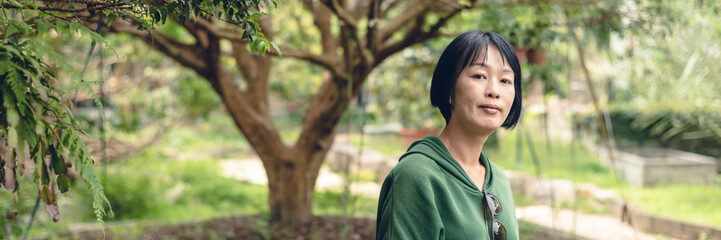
x,y
590,226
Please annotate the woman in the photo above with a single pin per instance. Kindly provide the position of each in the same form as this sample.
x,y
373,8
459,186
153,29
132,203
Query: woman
x,y
445,187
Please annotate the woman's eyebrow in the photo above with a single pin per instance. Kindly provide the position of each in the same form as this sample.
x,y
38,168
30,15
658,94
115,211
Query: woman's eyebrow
x,y
483,65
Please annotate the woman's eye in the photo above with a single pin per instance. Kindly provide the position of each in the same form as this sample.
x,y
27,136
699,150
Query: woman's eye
x,y
479,76
506,81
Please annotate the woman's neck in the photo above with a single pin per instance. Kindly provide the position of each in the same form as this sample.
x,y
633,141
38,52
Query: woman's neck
x,y
463,146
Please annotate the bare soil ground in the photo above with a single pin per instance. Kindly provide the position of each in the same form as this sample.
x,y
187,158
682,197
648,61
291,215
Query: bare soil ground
x,y
254,227
245,227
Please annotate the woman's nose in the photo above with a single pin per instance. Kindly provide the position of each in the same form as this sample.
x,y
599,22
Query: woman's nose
x,y
492,90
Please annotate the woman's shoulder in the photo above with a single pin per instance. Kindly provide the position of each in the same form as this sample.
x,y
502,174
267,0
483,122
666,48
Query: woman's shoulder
x,y
416,166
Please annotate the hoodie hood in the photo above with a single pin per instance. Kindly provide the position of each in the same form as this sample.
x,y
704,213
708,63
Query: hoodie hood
x,y
433,148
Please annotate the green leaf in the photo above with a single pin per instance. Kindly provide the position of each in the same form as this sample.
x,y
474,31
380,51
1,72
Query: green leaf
x,y
14,25
262,47
163,14
47,196
16,3
2,171
12,138
60,26
11,29
12,116
156,16
231,12
277,49
254,45
73,27
58,162
63,183
44,173
111,18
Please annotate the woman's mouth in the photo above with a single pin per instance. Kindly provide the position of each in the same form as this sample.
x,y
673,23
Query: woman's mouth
x,y
490,108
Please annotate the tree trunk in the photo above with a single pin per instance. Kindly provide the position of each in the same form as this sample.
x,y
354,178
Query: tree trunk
x,y
290,192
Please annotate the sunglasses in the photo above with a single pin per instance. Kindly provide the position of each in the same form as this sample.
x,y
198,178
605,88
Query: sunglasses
x,y
495,208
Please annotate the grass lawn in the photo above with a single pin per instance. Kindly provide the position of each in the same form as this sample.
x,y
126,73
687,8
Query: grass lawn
x,y
696,204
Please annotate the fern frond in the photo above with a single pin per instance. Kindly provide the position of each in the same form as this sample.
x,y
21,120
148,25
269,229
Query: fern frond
x,y
18,85
27,96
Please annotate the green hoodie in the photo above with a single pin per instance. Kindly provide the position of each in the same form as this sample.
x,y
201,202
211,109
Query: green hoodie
x,y
429,196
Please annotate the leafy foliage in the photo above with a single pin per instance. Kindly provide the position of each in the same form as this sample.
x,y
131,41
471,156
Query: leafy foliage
x,y
35,121
243,14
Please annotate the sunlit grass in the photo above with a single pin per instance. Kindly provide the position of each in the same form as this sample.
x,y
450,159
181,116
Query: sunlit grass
x,y
691,203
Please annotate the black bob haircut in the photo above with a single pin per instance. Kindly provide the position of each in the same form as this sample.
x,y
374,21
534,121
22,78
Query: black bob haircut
x,y
462,52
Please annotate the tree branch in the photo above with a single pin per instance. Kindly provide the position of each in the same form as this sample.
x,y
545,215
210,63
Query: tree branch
x,y
341,12
410,13
258,85
105,6
373,18
434,30
200,35
321,60
231,33
412,36
322,22
361,7
183,53
416,35
389,6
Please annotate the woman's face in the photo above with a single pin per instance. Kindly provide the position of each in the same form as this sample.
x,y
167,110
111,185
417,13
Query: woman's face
x,y
484,94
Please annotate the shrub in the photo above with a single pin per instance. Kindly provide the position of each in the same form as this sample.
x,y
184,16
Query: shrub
x,y
693,129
